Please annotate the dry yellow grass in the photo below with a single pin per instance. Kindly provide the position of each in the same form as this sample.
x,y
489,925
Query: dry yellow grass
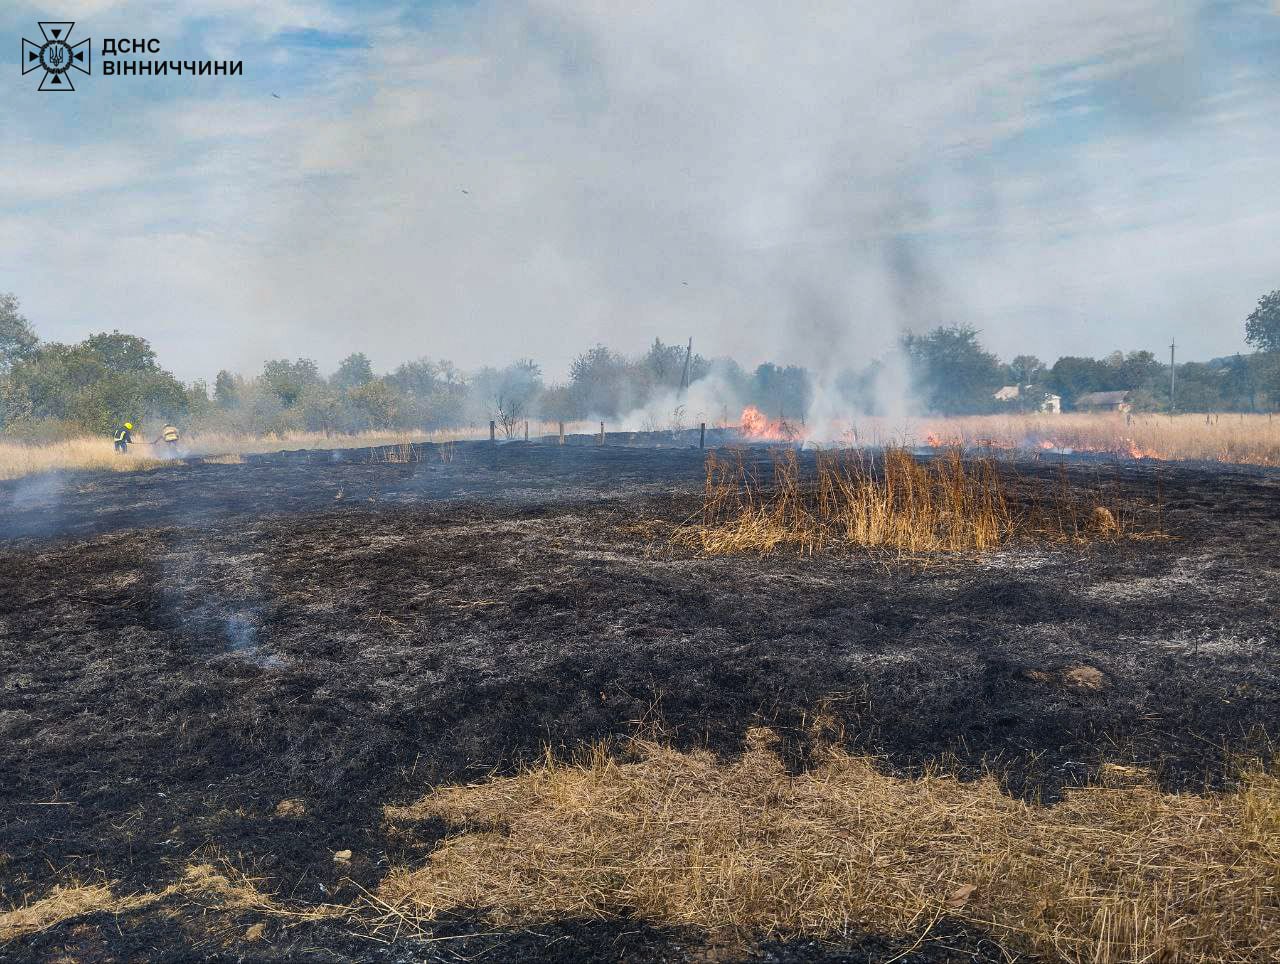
x,y
1230,438
1252,439
18,459
65,902
1116,872
895,503
215,888
746,849
96,454
216,443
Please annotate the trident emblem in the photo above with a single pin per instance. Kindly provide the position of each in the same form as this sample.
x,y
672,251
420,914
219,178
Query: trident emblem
x,y
56,56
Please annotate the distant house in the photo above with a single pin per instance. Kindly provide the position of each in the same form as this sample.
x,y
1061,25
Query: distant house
x,y
1103,402
1010,393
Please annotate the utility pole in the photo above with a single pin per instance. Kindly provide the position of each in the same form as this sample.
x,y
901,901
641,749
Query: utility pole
x,y
1173,376
684,378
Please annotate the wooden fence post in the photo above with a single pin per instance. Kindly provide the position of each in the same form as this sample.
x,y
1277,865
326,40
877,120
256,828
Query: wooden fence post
x,y
526,430
602,433
562,433
493,431
702,435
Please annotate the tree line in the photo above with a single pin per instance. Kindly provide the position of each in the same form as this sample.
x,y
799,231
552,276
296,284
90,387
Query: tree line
x,y
50,390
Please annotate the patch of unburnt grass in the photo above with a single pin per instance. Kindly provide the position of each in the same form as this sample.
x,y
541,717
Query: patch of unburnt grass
x,y
220,893
890,501
748,850
64,902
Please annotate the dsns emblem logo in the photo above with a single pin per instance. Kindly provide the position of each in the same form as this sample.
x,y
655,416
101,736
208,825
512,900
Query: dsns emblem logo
x,y
56,56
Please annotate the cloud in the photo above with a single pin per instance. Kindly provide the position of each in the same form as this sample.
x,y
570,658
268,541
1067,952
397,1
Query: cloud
x,y
527,178
54,176
167,20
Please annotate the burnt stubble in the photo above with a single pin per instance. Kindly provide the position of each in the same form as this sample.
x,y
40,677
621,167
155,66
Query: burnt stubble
x,y
183,649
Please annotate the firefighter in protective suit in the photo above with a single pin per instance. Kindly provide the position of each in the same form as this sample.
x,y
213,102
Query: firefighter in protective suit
x,y
124,435
168,435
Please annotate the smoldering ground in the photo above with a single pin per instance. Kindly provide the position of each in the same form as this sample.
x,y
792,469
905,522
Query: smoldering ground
x,y
186,649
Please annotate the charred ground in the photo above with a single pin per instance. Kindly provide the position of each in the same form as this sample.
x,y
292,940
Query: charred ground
x,y
183,649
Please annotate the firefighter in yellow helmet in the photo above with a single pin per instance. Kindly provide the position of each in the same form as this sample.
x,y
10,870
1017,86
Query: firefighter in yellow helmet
x,y
124,435
168,435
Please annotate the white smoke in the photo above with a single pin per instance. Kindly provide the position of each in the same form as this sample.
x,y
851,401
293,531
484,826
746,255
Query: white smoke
x,y
711,400
493,180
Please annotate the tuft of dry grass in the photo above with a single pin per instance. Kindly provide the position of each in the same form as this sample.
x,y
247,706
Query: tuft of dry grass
x,y
224,888
894,502
1115,872
402,453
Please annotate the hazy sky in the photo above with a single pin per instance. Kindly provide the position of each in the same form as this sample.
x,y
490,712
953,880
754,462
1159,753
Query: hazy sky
x,y
487,180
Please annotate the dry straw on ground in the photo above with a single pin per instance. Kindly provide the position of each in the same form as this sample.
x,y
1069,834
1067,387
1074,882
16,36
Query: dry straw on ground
x,y
1115,872
218,890
744,850
891,502
65,902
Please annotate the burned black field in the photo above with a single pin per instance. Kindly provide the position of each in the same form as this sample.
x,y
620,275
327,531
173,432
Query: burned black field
x,y
182,650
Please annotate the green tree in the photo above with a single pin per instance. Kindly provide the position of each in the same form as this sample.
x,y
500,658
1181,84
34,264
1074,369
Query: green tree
x,y
1026,370
96,384
662,366
1202,387
430,394
598,381
198,403
322,410
418,379
952,370
123,353
17,338
353,371
226,392
373,405
1262,327
1136,370
1073,376
511,393
664,363
1239,387
288,380
557,403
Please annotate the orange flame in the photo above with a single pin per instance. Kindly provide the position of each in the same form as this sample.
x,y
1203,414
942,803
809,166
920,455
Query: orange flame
x,y
756,425
1119,446
933,440
1122,446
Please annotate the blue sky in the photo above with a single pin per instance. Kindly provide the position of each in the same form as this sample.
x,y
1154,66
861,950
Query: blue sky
x,y
483,181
